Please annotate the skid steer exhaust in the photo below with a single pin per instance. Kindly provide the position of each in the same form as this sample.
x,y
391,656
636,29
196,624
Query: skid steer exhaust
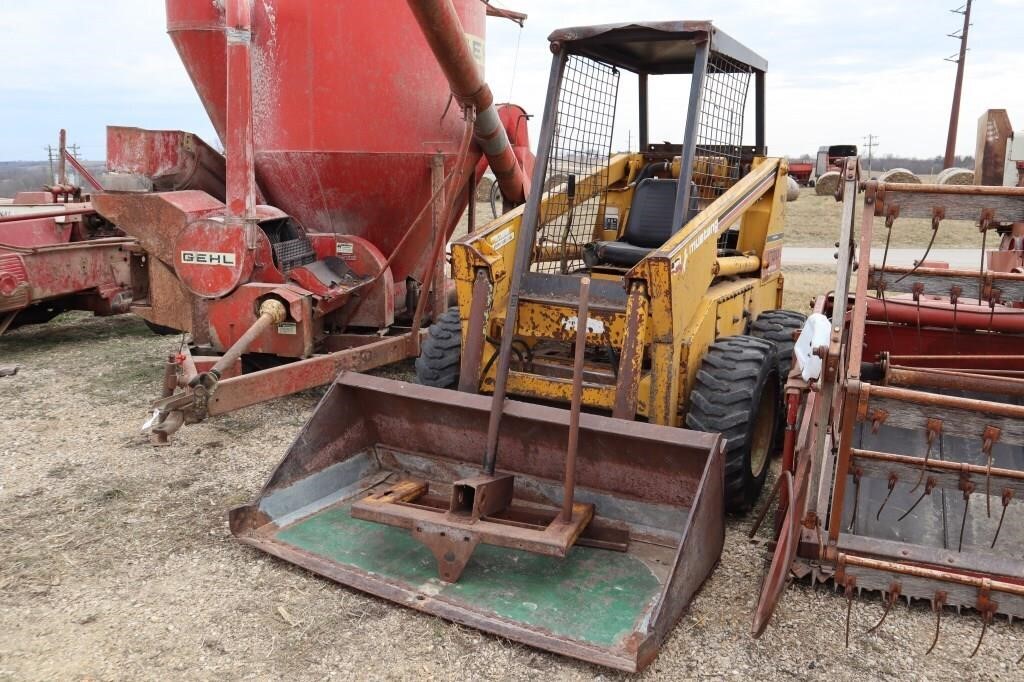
x,y
655,491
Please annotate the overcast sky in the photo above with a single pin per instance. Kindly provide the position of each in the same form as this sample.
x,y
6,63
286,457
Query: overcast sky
x,y
837,71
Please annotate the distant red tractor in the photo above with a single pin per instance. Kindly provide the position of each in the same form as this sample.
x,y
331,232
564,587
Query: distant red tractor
x,y
801,172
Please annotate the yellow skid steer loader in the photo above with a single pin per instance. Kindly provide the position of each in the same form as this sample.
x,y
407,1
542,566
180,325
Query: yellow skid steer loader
x,y
637,295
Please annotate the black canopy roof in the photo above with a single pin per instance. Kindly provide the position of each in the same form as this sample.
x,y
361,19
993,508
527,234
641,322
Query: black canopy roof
x,y
654,47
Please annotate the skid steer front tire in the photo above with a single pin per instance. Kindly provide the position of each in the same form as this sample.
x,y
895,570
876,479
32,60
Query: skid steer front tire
x,y
441,352
736,393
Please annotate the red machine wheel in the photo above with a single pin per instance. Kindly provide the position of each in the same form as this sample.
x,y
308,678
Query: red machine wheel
x,y
785,552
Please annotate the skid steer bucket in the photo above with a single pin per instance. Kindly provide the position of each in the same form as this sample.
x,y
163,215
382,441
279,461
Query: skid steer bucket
x,y
656,533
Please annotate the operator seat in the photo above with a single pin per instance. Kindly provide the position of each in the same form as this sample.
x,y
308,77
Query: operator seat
x,y
648,225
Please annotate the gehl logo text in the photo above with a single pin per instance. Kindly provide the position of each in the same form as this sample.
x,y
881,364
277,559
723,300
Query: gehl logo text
x,y
207,258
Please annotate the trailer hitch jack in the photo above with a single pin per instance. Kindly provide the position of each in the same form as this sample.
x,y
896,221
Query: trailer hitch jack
x,y
169,413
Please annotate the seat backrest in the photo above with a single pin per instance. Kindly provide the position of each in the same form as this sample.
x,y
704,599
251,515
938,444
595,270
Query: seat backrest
x,y
649,223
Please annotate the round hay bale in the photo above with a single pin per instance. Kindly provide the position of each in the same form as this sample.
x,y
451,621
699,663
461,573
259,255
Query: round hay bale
x,y
827,184
792,189
956,176
483,190
899,175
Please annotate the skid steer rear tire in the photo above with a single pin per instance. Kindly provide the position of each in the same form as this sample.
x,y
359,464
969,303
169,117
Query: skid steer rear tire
x,y
737,394
441,352
778,326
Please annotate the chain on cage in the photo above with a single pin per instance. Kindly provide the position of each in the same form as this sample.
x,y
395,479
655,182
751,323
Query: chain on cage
x,y
580,148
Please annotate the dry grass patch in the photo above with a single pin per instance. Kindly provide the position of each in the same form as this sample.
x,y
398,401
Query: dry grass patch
x,y
814,221
805,283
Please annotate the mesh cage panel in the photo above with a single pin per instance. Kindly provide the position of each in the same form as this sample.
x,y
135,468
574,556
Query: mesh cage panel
x,y
581,147
719,144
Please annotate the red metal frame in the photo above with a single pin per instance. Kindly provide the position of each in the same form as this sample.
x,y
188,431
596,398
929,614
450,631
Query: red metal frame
x,y
209,267
54,257
901,361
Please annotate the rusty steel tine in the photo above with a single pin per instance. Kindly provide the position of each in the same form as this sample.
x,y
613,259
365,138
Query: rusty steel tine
x,y
889,220
928,487
856,499
582,317
988,481
934,427
1007,495
988,439
938,603
894,594
963,522
848,593
1020,660
917,263
986,618
988,487
981,266
885,311
893,479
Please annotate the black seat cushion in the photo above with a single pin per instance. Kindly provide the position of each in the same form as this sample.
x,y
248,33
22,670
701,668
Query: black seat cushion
x,y
620,254
648,226
649,222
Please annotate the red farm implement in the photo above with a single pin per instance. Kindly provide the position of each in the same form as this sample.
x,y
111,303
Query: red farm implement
x,y
57,254
317,243
904,458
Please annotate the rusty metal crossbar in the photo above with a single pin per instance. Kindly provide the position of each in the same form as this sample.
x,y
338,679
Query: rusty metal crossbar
x,y
473,515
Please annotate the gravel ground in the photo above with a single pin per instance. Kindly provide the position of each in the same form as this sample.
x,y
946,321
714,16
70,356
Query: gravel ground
x,y
116,561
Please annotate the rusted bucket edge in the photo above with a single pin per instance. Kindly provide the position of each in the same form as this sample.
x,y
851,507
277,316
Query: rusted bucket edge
x,y
700,548
542,414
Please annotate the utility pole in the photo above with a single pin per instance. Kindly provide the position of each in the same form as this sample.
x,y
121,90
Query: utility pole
x,y
73,150
49,153
871,141
954,115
